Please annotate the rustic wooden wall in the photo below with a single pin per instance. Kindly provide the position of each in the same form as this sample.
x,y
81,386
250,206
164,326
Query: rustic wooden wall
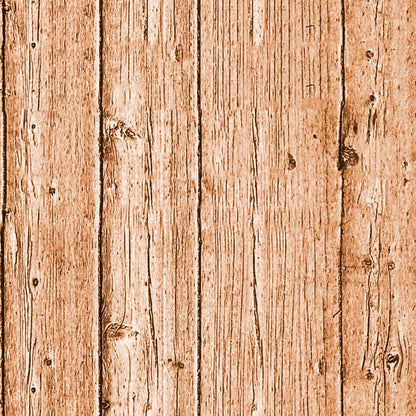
x,y
208,207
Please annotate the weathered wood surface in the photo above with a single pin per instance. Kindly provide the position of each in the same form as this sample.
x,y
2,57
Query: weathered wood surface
x,y
271,199
379,249
51,218
150,260
208,207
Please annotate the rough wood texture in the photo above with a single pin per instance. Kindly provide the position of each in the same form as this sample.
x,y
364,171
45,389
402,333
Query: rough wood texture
x,y
150,206
379,249
51,222
271,203
208,207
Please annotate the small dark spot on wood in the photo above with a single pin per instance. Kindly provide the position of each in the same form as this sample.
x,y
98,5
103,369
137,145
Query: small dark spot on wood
x,y
35,282
105,405
33,45
315,136
405,164
405,180
178,364
33,126
355,128
33,389
391,265
178,53
349,156
369,54
52,190
48,362
372,97
369,375
292,162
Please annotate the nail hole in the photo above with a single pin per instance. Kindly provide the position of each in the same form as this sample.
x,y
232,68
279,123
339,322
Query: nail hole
x,y
33,126
391,265
372,97
35,282
52,190
33,45
33,389
48,361
315,136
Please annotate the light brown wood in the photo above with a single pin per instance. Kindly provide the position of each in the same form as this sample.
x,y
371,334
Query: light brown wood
x,y
51,226
271,203
150,260
379,231
208,207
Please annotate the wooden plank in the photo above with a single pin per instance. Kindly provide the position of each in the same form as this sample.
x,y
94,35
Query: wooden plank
x,y
271,204
150,260
379,247
51,226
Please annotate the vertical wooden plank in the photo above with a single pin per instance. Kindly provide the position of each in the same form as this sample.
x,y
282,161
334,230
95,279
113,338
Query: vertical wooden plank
x,y
379,230
51,225
150,207
271,204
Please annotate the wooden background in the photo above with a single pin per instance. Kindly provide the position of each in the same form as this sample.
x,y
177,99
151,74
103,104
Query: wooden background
x,y
208,207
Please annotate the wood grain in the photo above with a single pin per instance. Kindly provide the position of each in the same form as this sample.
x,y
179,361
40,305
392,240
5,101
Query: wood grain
x,y
378,128
271,204
150,260
51,222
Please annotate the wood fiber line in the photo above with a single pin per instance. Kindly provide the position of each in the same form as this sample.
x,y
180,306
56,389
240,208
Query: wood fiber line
x,y
379,245
271,93
51,213
150,208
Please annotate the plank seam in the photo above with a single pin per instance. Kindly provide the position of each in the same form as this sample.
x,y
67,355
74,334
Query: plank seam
x,y
199,226
4,201
341,166
101,205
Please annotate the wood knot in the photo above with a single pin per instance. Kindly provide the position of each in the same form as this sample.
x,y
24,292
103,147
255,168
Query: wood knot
x,y
367,262
369,54
369,375
292,162
349,157
116,331
392,360
119,130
